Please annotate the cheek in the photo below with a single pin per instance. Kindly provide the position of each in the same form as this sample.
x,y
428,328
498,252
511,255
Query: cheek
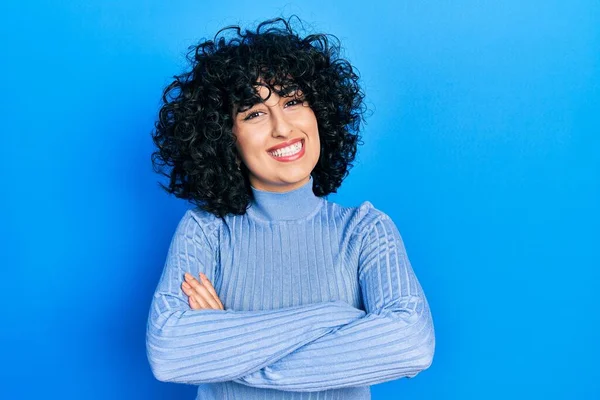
x,y
315,130
251,147
316,143
243,142
239,146
309,122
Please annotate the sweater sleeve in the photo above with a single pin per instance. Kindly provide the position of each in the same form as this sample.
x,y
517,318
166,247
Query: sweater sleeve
x,y
199,346
394,339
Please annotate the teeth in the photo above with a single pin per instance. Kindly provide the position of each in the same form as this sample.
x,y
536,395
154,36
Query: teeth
x,y
288,151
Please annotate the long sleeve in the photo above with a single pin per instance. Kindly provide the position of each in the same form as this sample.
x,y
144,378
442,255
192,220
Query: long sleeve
x,y
394,339
198,346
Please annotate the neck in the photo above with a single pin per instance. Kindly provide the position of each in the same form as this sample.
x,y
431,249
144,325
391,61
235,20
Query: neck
x,y
291,205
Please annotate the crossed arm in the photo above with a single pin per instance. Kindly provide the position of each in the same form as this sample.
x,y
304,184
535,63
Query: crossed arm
x,y
394,339
211,345
304,348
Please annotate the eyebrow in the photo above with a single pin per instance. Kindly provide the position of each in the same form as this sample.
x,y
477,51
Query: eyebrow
x,y
289,92
240,110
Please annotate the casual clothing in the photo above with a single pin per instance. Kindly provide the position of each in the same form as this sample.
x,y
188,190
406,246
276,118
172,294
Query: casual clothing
x,y
318,297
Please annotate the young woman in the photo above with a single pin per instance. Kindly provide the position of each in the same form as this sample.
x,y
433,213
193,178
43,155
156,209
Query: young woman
x,y
268,288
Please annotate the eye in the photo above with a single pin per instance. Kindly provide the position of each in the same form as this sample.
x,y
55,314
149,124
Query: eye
x,y
295,102
252,115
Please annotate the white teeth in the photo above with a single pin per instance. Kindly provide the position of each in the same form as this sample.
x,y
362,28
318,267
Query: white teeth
x,y
287,151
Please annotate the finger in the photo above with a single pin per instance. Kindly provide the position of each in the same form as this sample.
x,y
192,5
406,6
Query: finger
x,y
187,289
202,294
193,303
195,300
189,292
211,289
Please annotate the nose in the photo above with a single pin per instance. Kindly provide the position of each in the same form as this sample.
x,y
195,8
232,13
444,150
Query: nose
x,y
281,125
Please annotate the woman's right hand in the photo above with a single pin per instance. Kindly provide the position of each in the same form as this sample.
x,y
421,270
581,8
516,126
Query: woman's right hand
x,y
201,295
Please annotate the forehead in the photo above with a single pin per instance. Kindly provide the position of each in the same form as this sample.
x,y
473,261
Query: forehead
x,y
266,90
268,94
271,94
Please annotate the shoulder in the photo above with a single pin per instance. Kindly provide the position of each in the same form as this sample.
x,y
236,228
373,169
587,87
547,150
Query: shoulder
x,y
357,220
376,232
197,223
368,217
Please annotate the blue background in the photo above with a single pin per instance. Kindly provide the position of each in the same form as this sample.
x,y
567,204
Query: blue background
x,y
482,146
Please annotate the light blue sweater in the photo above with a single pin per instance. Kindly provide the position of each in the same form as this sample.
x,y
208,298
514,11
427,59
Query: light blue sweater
x,y
318,298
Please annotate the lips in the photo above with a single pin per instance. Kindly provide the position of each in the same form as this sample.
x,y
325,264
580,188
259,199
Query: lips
x,y
284,144
290,158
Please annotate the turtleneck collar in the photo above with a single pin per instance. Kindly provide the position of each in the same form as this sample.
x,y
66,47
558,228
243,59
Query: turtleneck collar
x,y
275,206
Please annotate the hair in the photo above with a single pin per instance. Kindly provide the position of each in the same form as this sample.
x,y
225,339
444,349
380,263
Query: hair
x,y
193,133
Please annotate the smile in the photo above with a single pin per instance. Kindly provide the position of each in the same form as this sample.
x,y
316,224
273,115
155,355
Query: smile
x,y
289,153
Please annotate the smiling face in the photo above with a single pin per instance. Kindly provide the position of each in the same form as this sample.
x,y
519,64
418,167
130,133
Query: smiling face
x,y
266,126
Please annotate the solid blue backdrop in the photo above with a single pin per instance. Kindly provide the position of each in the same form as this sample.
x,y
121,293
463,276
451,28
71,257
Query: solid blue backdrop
x,y
482,145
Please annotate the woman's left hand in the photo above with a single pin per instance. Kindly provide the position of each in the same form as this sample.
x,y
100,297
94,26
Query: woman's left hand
x,y
201,295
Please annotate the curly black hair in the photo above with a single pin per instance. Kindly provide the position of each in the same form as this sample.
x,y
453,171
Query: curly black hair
x,y
193,132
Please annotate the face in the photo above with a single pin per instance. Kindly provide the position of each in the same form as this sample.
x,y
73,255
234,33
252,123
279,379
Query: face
x,y
266,126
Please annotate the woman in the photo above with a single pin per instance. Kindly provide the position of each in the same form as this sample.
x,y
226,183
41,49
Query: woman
x,y
268,288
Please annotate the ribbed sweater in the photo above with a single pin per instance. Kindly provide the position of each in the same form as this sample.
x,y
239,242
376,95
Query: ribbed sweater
x,y
321,302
